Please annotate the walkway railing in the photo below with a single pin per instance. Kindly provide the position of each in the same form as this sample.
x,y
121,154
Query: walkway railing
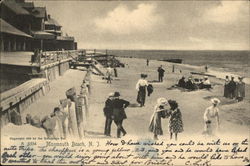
x,y
49,57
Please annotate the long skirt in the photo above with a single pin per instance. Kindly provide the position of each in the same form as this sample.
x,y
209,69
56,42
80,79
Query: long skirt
x,y
155,124
210,128
141,96
226,91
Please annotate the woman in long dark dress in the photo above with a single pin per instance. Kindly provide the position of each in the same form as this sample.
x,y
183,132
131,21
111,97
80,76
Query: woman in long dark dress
x,y
159,112
175,122
141,87
240,90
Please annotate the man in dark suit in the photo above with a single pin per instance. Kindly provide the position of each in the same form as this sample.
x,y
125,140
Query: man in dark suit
x,y
119,114
182,82
160,73
232,88
108,112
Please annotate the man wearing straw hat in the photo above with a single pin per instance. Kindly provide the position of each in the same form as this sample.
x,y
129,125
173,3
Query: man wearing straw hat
x,y
211,114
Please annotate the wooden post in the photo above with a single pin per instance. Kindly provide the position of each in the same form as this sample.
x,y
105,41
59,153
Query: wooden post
x,y
41,46
9,45
24,45
14,44
2,44
79,115
72,119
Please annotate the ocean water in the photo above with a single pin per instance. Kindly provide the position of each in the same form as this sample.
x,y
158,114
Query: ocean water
x,y
237,62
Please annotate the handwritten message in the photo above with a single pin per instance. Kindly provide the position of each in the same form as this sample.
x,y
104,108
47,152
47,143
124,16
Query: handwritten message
x,y
124,152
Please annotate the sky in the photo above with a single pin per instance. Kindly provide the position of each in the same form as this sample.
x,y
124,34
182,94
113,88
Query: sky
x,y
173,25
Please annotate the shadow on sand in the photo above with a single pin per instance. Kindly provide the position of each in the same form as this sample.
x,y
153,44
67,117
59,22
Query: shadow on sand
x,y
134,105
94,133
154,81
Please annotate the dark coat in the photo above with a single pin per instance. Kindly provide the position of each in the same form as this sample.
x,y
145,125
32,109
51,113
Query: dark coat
x,y
118,106
108,110
182,83
150,89
190,85
232,88
161,71
240,89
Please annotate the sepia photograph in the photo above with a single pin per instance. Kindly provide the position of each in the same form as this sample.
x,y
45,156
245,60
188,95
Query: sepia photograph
x,y
133,83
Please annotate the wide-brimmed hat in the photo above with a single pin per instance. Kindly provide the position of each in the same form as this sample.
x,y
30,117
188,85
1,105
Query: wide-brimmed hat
x,y
173,103
111,94
240,78
162,101
117,94
215,101
205,76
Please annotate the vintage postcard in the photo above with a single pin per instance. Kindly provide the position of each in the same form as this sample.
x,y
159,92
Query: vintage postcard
x,y
125,82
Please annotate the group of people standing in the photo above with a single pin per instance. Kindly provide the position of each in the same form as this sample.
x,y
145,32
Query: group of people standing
x,y
233,89
114,109
161,110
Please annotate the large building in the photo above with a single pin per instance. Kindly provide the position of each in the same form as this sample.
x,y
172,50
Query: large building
x,y
25,27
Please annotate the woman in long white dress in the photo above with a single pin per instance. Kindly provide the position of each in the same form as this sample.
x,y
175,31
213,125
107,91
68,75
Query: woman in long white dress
x,y
211,117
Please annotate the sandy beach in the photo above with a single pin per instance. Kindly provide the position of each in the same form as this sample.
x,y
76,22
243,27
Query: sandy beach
x,y
235,119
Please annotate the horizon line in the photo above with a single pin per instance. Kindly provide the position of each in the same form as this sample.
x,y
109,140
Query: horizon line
x,y
135,49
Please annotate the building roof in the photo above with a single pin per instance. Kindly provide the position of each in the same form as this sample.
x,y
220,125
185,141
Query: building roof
x,y
43,35
27,4
52,21
15,7
7,28
39,12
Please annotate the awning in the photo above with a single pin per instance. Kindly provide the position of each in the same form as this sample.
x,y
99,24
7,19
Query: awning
x,y
7,28
65,38
43,35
